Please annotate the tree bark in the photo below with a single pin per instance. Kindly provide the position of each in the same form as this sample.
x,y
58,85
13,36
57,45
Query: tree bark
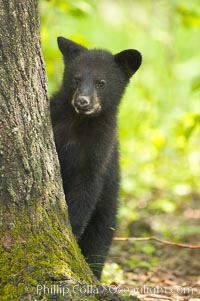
x,y
39,257
37,245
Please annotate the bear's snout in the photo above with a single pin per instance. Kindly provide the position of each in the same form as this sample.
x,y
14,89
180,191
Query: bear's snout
x,y
86,105
82,102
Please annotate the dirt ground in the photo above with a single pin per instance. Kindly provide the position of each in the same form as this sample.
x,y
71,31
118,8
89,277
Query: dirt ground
x,y
163,273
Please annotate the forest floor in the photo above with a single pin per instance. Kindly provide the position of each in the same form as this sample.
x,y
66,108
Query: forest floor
x,y
150,270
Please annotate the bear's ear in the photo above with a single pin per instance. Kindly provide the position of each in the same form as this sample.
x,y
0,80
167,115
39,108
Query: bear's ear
x,y
69,48
129,60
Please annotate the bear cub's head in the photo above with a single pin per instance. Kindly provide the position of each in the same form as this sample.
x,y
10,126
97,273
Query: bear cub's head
x,y
94,80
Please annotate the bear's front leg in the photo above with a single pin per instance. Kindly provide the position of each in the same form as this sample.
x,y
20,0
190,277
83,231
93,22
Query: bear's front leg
x,y
82,193
98,234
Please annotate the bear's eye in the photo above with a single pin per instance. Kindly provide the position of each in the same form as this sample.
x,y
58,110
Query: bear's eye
x,y
77,79
100,84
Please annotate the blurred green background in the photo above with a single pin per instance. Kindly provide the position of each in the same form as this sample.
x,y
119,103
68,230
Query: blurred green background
x,y
159,119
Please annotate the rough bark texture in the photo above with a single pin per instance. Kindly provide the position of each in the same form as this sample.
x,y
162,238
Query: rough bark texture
x,y
37,245
39,257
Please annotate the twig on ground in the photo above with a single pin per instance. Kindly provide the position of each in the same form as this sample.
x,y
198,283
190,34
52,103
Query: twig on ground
x,y
157,240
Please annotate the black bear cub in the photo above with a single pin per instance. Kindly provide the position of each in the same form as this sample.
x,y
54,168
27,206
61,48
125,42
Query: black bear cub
x,y
83,114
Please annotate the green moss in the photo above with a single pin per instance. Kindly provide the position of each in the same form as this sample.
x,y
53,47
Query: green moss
x,y
40,249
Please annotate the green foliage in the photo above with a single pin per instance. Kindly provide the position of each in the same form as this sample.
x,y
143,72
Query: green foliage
x,y
148,263
148,249
159,118
163,205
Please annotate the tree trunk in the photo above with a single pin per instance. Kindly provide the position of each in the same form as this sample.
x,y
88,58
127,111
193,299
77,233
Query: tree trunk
x,y
39,257
37,245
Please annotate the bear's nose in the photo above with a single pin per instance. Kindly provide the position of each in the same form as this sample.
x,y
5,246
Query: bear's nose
x,y
83,101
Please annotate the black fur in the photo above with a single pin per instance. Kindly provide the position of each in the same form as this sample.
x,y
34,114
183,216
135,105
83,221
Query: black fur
x,y
83,115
